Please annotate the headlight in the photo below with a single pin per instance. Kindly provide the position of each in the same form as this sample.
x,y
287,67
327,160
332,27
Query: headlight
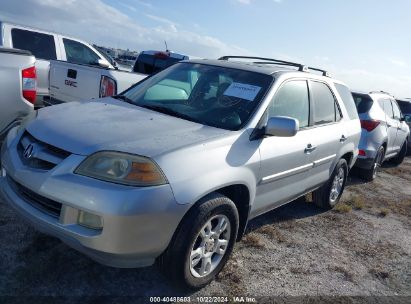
x,y
122,168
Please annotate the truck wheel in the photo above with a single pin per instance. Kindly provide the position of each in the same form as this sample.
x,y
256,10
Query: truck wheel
x,y
328,195
401,155
203,242
370,174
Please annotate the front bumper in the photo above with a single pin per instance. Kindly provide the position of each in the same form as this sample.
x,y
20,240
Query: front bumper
x,y
138,223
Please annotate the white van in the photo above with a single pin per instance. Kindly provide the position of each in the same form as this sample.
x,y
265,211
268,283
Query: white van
x,y
46,46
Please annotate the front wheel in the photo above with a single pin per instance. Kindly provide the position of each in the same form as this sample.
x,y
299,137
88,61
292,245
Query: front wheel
x,y
203,243
401,155
328,195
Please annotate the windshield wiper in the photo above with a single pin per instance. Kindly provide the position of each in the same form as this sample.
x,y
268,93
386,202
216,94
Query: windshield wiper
x,y
124,98
169,111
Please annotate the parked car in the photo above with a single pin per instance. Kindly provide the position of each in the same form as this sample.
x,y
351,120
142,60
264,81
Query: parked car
x,y
151,62
17,87
384,134
405,107
46,46
73,82
174,168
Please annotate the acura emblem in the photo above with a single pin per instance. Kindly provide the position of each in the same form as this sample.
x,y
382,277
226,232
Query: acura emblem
x,y
28,152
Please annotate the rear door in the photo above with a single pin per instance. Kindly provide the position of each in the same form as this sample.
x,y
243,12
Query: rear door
x,y
43,47
392,125
328,133
401,128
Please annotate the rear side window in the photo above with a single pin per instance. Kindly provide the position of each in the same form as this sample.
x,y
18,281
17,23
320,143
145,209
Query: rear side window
x,y
348,100
152,63
363,102
387,107
292,100
77,52
396,110
41,45
325,107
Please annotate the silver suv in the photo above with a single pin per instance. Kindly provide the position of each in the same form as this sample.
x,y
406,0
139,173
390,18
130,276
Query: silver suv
x,y
384,133
174,168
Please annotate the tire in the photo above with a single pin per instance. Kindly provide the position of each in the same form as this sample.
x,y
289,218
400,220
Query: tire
x,y
323,197
370,174
401,155
176,260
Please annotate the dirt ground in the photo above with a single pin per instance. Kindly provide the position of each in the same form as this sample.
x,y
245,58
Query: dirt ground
x,y
360,248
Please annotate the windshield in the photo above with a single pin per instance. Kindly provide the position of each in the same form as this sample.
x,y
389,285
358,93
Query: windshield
x,y
215,96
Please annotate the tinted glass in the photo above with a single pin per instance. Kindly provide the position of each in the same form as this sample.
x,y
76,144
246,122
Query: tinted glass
x,y
405,106
42,46
210,95
363,102
324,103
291,100
77,52
348,100
151,64
396,110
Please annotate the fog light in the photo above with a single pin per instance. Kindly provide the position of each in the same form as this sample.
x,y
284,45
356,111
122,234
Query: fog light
x,y
89,220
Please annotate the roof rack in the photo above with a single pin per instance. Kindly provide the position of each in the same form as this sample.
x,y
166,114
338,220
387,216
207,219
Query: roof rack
x,y
383,92
301,67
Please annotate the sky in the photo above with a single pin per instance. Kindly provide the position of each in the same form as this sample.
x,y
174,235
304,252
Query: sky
x,y
365,43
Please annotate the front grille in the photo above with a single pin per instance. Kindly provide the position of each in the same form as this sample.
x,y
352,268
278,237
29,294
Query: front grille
x,y
44,157
42,203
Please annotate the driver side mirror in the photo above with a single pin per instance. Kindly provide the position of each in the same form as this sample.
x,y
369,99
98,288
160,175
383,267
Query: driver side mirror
x,y
103,63
282,126
406,118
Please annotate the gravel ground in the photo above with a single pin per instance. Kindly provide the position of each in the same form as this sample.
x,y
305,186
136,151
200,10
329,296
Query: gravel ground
x,y
360,248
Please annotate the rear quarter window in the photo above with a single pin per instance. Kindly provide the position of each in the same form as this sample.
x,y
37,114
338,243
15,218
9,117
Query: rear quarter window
x,y
363,102
348,100
41,45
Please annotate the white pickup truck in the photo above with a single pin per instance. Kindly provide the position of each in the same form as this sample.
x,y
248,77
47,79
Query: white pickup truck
x,y
17,87
71,82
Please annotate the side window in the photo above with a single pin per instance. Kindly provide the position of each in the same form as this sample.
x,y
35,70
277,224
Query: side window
x,y
77,52
348,100
396,110
291,100
325,107
41,45
387,107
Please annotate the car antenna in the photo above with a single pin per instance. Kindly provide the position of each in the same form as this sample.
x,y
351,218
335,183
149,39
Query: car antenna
x,y
165,42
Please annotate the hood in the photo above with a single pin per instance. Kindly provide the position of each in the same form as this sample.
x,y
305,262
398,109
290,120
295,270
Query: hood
x,y
110,124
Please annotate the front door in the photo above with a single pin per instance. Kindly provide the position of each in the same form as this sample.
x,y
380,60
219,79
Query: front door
x,y
285,161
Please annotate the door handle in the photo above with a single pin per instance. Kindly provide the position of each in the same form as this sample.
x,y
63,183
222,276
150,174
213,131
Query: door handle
x,y
343,138
310,148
